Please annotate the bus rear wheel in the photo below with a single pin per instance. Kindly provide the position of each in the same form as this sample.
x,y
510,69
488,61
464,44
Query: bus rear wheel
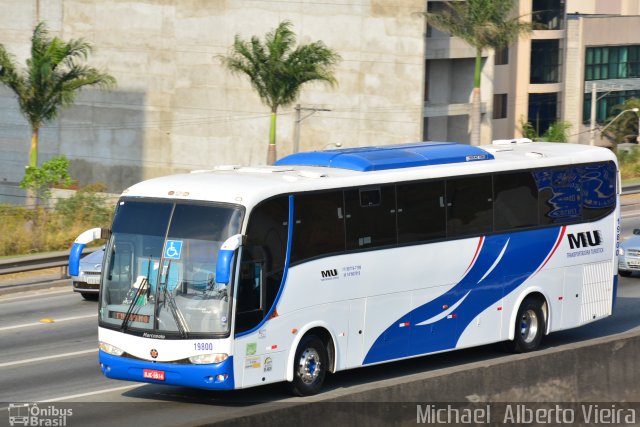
x,y
309,366
530,326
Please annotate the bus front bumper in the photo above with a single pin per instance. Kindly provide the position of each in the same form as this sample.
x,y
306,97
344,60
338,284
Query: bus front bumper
x,y
217,376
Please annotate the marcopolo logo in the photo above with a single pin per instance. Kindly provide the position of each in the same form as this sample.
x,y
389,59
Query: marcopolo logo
x,y
584,239
30,414
329,274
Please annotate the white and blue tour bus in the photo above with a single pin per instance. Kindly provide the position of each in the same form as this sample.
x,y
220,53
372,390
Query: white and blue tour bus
x,y
330,260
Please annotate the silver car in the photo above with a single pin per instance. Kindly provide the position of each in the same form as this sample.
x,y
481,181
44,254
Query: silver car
x,y
87,282
629,255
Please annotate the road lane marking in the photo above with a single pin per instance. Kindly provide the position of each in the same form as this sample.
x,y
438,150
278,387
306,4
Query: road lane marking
x,y
64,319
91,393
36,295
40,359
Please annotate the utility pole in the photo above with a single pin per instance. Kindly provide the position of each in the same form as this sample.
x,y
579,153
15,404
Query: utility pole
x,y
592,121
299,118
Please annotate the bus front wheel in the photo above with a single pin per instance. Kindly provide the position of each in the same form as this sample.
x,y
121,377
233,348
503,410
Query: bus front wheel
x,y
530,326
309,366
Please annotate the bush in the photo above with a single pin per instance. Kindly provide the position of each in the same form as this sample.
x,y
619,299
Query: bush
x,y
25,231
629,161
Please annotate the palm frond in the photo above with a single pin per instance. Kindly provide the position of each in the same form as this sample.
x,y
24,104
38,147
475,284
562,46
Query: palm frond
x,y
52,76
9,75
480,23
276,69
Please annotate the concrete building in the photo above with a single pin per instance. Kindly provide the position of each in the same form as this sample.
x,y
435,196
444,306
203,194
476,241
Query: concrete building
x,y
520,83
449,70
603,54
542,78
176,108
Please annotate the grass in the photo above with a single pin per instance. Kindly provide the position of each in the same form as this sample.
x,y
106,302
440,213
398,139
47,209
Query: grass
x,y
29,231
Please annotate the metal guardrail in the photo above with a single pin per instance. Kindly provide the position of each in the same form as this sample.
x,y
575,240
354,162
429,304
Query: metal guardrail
x,y
39,262
631,189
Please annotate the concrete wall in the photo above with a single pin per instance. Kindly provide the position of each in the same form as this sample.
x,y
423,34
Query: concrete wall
x,y
176,108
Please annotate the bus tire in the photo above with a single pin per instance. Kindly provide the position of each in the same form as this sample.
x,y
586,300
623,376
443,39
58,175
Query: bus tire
x,y
530,326
309,366
624,273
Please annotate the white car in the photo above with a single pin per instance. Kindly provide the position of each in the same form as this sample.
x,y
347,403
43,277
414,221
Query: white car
x,y
87,282
629,255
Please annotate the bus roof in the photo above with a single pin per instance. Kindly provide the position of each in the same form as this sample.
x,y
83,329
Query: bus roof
x,y
367,159
328,169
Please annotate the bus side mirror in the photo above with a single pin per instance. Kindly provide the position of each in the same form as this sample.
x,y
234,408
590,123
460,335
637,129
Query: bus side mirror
x,y
225,255
80,243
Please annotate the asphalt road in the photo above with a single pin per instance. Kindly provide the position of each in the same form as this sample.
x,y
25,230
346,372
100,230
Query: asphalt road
x,y
48,353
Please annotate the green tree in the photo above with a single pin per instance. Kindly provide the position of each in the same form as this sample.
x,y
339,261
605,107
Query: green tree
x,y
625,127
41,179
482,24
52,77
277,69
556,132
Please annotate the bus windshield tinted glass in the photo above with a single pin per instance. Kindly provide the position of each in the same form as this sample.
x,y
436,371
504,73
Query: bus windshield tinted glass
x,y
160,268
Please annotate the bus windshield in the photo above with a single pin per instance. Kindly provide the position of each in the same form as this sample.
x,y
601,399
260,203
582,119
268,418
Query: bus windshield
x,y
160,265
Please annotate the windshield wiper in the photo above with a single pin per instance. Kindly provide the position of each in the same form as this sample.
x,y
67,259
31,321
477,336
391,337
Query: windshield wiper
x,y
143,284
173,307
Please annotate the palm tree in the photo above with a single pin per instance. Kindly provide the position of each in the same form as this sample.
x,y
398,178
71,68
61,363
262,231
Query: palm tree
x,y
277,70
51,79
483,24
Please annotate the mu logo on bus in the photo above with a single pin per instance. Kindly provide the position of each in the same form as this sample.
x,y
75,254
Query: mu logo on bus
x,y
329,274
584,239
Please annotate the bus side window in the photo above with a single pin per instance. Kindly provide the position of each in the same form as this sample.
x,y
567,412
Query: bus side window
x,y
516,204
469,206
319,225
598,182
421,211
559,193
370,217
264,255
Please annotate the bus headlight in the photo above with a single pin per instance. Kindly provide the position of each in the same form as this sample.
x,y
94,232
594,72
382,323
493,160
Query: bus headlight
x,y
206,359
108,348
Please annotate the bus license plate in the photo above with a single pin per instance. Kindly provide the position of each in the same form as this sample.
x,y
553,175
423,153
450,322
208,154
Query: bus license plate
x,y
152,374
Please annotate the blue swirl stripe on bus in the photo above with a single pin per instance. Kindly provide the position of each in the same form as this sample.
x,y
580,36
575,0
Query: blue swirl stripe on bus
x,y
525,252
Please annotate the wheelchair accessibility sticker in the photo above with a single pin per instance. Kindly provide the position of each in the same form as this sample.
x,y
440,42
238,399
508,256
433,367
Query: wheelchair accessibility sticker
x,y
173,249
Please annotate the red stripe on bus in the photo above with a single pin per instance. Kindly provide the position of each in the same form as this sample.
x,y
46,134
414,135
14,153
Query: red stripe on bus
x,y
562,230
476,254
